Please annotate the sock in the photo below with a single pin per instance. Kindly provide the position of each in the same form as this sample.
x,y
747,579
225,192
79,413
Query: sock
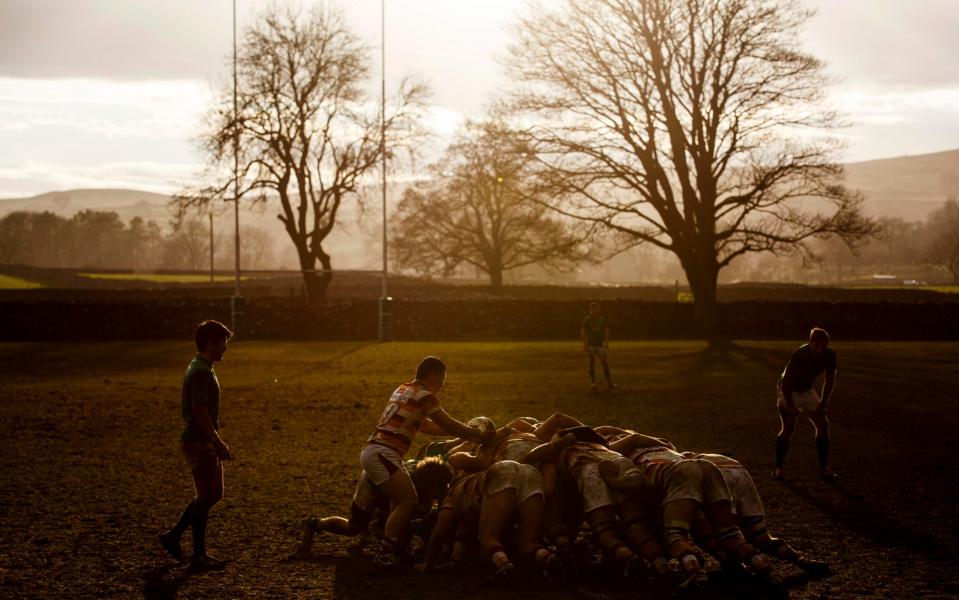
x,y
609,378
184,521
822,449
782,445
498,556
198,519
390,546
592,373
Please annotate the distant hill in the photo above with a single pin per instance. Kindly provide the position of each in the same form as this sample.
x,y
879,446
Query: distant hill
x,y
126,203
909,187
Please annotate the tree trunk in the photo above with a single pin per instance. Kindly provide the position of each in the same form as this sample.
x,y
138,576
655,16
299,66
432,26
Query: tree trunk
x,y
315,282
702,283
496,277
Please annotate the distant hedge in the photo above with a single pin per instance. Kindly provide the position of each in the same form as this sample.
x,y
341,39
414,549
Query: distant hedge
x,y
502,319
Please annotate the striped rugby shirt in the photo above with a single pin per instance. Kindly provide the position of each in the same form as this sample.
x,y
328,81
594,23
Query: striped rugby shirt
x,y
408,406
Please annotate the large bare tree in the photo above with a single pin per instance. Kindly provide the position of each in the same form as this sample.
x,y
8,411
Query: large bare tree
x,y
693,125
479,209
308,131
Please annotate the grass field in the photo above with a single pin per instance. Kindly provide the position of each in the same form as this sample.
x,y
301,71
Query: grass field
x,y
9,282
91,471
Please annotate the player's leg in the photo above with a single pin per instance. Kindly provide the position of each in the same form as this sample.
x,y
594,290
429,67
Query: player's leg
x,y
604,358
636,521
602,522
821,423
207,471
786,430
592,367
399,489
494,515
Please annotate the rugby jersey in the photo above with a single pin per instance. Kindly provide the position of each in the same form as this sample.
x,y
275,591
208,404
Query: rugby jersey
x,y
515,446
408,406
581,454
657,455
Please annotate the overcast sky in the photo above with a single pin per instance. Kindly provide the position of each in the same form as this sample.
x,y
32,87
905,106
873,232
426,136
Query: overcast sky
x,y
107,93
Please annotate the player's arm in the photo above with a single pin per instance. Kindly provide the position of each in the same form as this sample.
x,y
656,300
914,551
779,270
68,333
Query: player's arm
x,y
556,421
442,532
637,440
198,391
606,335
451,426
827,386
549,450
469,462
428,427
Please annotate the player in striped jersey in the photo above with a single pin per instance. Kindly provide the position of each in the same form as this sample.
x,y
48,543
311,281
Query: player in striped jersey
x,y
412,407
484,502
580,452
687,486
748,508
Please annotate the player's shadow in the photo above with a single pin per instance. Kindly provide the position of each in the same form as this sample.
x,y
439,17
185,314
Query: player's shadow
x,y
164,582
855,512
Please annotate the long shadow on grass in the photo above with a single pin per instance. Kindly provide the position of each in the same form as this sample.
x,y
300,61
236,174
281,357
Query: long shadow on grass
x,y
323,364
164,582
855,512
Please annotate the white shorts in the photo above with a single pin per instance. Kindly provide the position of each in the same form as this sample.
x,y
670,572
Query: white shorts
x,y
593,489
508,474
380,462
806,402
746,501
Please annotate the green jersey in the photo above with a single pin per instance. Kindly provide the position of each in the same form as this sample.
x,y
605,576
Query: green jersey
x,y
200,388
595,328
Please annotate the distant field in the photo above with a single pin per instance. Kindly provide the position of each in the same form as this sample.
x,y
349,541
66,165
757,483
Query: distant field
x,y
8,282
942,289
158,278
90,471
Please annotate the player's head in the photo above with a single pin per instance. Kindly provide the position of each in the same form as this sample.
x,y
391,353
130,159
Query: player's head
x,y
818,340
210,337
431,478
431,372
484,424
594,308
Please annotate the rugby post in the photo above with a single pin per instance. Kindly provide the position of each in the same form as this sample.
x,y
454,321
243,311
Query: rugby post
x,y
385,312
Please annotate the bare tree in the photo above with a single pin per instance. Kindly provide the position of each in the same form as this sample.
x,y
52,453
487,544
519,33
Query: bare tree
x,y
307,130
943,231
256,249
188,246
692,125
477,210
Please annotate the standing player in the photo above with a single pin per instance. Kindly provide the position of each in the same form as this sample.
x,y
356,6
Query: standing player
x,y
594,333
412,406
797,395
201,443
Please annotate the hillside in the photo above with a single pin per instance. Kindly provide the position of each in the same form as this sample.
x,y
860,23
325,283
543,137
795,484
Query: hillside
x,y
909,187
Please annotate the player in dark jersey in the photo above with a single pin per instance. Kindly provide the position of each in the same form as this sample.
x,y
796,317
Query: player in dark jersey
x,y
594,333
201,444
797,395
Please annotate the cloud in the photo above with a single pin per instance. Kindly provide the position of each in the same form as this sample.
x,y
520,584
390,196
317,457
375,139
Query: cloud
x,y
122,39
147,109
